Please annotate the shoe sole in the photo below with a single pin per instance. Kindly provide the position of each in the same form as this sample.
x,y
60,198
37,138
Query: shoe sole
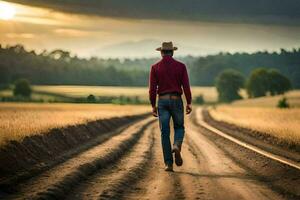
x,y
178,158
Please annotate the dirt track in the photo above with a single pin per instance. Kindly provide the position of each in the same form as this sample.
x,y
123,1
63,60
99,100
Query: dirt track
x,y
130,166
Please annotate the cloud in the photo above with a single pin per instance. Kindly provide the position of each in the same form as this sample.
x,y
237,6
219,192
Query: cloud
x,y
140,48
71,32
20,35
146,48
256,11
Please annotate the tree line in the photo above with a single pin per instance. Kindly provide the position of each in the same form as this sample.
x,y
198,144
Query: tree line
x,y
58,67
261,82
61,67
205,69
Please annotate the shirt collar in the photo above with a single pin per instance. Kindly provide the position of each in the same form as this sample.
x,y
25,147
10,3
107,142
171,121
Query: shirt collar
x,y
167,58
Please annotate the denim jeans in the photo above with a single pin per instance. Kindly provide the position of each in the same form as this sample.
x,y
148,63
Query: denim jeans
x,y
168,108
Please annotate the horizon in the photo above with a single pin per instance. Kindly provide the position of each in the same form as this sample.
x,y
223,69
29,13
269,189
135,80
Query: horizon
x,y
72,54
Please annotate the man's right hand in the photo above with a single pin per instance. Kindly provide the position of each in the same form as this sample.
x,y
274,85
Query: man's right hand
x,y
154,111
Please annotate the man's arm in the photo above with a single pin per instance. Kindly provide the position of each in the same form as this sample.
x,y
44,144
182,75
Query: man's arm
x,y
187,90
153,91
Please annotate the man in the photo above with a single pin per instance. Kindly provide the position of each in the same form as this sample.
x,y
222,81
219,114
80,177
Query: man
x,y
167,79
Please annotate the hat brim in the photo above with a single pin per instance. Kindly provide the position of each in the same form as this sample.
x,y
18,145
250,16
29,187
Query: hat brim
x,y
161,49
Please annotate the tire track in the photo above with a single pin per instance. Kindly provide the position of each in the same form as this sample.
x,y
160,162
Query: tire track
x,y
107,127
117,190
193,186
56,182
156,183
276,176
220,175
111,183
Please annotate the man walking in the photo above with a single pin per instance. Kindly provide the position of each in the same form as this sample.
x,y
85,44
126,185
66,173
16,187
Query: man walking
x,y
167,79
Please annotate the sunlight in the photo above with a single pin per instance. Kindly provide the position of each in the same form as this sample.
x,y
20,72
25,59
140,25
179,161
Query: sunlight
x,y
7,11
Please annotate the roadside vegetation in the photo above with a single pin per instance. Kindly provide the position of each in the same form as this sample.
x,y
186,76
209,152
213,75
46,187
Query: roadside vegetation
x,y
270,108
20,120
228,84
278,115
261,82
280,123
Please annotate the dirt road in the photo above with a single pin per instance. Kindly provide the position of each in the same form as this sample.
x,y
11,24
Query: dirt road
x,y
130,166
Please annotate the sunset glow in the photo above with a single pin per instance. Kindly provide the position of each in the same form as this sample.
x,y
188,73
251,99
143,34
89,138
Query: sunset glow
x,y
7,11
104,36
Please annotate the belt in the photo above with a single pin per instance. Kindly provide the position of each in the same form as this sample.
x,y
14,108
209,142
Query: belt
x,y
169,96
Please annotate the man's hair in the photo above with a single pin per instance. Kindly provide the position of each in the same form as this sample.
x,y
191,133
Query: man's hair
x,y
167,52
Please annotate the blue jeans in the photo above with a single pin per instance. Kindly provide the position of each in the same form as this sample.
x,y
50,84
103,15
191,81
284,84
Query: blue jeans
x,y
168,108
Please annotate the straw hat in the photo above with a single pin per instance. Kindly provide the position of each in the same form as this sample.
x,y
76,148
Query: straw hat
x,y
167,46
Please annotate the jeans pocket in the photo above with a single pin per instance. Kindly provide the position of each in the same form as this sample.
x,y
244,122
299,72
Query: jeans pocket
x,y
179,105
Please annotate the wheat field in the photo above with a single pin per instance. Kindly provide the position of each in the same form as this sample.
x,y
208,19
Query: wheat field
x,y
18,120
281,123
293,98
34,96
209,93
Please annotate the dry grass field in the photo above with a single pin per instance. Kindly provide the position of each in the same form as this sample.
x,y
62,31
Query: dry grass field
x,y
18,120
83,91
293,98
261,114
34,96
281,123
209,93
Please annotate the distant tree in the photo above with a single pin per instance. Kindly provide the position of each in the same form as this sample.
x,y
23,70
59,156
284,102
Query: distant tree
x,y
22,88
263,81
199,100
228,84
282,103
279,84
258,83
60,54
91,98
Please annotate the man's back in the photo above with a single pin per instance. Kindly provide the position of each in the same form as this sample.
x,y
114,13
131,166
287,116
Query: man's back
x,y
168,76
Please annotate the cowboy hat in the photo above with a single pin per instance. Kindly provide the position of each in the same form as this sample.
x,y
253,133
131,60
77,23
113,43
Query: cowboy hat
x,y
166,46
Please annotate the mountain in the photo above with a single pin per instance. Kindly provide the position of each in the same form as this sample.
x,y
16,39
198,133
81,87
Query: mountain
x,y
146,48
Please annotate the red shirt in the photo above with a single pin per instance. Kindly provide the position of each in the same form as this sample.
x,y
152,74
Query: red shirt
x,y
169,75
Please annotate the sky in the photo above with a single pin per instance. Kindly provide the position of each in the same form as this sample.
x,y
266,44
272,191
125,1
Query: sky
x,y
134,28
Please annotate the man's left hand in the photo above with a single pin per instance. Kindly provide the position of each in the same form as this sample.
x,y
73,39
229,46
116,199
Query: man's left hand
x,y
188,109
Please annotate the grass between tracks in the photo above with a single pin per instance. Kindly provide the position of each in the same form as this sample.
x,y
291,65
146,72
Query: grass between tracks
x,y
18,120
284,124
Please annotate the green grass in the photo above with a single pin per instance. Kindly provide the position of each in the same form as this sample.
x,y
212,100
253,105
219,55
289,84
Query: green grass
x,y
38,96
209,93
67,93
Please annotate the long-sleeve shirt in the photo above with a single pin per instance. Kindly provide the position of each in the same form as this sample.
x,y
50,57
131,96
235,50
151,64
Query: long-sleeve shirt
x,y
167,76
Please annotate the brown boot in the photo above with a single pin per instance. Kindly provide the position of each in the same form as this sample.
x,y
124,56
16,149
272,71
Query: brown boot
x,y
178,158
169,168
